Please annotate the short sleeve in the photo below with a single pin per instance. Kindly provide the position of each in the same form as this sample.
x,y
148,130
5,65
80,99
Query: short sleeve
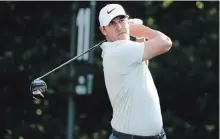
x,y
131,53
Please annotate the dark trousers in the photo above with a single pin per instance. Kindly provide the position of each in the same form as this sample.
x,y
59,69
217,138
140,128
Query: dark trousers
x,y
118,135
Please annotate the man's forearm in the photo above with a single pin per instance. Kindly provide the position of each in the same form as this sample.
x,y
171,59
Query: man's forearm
x,y
144,31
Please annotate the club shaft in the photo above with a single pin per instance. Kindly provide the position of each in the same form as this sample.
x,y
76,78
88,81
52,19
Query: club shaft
x,y
72,59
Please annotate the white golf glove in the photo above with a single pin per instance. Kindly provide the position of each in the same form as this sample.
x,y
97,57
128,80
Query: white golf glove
x,y
135,21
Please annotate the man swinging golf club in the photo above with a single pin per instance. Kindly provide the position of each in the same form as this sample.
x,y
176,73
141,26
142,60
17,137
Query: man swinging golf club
x,y
131,89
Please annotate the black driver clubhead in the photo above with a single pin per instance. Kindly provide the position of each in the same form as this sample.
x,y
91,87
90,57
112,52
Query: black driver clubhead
x,y
37,88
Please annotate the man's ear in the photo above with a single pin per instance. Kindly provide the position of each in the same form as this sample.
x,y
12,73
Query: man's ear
x,y
103,30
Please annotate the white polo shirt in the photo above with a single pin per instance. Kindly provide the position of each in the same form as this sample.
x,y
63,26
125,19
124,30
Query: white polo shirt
x,y
131,89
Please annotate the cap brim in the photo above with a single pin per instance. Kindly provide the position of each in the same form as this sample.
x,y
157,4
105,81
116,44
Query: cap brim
x,y
110,19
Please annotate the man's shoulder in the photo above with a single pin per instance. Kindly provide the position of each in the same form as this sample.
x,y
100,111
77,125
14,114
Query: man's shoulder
x,y
118,42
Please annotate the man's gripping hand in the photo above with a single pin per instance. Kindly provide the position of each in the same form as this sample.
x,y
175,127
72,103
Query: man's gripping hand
x,y
135,23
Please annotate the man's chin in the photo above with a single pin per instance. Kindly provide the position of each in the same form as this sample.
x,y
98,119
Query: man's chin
x,y
123,37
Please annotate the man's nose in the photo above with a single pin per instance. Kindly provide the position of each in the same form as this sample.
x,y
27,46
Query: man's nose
x,y
118,26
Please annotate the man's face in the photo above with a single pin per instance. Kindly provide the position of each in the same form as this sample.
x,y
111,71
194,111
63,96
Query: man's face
x,y
118,29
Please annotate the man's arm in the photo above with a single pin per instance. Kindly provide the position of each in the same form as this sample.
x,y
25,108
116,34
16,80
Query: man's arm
x,y
139,39
142,39
157,43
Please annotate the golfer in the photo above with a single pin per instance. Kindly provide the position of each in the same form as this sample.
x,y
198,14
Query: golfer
x,y
130,87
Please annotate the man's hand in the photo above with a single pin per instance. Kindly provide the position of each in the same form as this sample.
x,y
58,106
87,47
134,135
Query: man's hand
x,y
136,30
134,22
134,25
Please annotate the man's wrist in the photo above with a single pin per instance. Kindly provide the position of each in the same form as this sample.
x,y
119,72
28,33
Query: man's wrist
x,y
139,38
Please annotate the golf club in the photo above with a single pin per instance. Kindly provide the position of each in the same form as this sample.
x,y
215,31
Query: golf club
x,y
38,86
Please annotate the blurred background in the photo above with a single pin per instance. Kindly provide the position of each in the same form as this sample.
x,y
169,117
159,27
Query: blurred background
x,y
38,36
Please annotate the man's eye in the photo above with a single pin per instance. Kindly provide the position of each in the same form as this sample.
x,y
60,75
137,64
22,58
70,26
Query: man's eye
x,y
122,20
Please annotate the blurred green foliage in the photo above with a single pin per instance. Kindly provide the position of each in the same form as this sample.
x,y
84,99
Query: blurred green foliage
x,y
35,38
